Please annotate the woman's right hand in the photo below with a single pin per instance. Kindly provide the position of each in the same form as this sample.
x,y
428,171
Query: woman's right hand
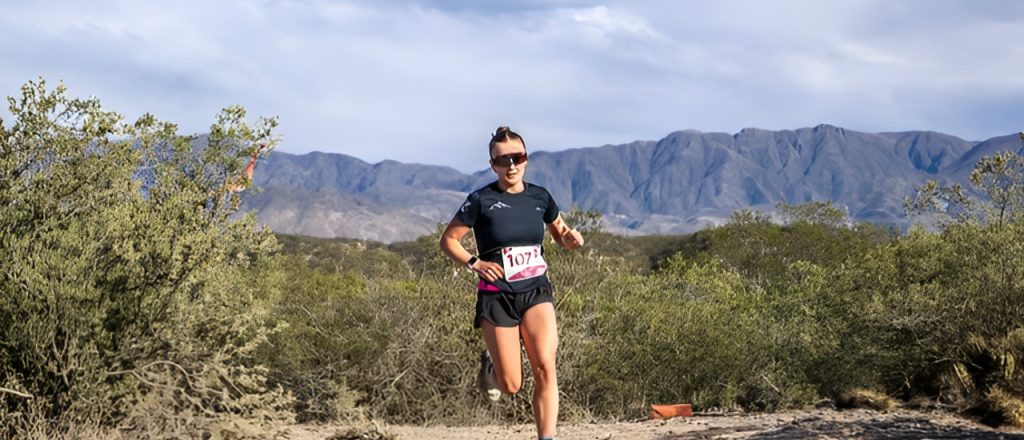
x,y
488,270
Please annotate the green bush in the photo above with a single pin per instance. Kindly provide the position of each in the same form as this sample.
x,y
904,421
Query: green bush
x,y
125,304
325,326
750,315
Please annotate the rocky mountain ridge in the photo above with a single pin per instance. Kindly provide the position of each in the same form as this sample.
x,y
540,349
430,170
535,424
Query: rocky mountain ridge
x,y
681,183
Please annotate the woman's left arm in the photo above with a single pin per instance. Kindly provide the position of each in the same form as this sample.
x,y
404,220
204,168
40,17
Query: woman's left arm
x,y
565,236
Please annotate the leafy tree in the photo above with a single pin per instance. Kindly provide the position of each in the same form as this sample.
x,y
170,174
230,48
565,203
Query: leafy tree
x,y
815,213
747,216
945,204
584,221
127,292
999,178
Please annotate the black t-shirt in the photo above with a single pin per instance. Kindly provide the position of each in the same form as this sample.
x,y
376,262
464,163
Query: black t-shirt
x,y
500,219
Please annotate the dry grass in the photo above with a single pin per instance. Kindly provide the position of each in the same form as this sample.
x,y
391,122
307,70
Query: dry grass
x,y
1005,408
865,399
374,431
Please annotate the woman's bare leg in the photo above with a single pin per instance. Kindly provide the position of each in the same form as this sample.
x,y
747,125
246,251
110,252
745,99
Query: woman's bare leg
x,y
540,336
503,345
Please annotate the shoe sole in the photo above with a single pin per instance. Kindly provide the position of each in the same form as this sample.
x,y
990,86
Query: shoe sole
x,y
494,394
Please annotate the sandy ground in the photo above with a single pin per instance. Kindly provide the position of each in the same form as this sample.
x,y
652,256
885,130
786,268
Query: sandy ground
x,y
811,424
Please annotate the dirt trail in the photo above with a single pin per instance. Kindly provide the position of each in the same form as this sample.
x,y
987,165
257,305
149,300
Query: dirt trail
x,y
812,424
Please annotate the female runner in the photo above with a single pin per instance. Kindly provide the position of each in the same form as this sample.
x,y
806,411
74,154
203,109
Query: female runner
x,y
514,294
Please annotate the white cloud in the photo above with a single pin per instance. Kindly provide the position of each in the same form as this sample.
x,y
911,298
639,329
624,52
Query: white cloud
x,y
427,81
612,24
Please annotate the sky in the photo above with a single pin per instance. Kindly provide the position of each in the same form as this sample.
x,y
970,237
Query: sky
x,y
429,81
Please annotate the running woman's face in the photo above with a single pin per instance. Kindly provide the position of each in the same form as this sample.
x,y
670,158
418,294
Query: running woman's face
x,y
508,172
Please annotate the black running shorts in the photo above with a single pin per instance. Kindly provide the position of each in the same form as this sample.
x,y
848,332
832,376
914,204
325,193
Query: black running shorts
x,y
504,309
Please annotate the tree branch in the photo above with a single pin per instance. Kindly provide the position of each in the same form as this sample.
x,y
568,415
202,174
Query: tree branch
x,y
17,393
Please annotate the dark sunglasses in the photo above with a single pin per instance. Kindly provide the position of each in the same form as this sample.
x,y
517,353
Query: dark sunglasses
x,y
506,160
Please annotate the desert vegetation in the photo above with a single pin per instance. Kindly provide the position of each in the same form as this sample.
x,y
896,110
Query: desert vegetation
x,y
127,298
134,303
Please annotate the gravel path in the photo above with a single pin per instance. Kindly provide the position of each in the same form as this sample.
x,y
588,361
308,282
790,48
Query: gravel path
x,y
812,424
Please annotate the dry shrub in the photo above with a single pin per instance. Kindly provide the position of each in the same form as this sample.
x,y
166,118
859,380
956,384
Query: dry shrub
x,y
426,372
325,326
758,322
1004,408
694,333
216,399
922,403
992,385
30,421
951,388
368,431
861,398
127,291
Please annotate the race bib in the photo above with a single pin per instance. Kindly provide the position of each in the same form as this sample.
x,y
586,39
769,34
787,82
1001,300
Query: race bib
x,y
523,262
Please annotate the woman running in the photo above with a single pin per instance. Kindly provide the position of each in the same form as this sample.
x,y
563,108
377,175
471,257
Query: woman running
x,y
514,295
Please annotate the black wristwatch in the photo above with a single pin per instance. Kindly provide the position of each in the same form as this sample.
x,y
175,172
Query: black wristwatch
x,y
471,262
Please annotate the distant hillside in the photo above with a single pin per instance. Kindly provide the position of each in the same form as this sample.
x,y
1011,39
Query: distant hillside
x,y
679,184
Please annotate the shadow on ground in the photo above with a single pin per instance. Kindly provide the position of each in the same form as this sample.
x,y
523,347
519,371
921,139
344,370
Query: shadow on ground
x,y
871,429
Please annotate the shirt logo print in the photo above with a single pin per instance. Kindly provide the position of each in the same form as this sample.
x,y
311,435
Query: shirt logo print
x,y
538,208
465,206
498,205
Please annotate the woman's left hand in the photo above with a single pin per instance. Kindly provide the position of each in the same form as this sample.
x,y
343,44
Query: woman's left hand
x,y
572,239
567,237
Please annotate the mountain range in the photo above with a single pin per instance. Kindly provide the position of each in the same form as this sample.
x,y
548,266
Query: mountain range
x,y
681,183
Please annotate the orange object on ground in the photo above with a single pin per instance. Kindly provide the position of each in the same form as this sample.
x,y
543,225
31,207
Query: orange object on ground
x,y
666,411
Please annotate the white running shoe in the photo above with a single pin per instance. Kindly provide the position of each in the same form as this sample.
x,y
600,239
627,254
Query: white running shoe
x,y
486,379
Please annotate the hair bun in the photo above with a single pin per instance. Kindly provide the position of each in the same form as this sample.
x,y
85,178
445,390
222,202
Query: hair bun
x,y
504,134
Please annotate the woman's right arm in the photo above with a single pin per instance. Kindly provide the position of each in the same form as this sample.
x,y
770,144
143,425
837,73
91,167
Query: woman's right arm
x,y
451,245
